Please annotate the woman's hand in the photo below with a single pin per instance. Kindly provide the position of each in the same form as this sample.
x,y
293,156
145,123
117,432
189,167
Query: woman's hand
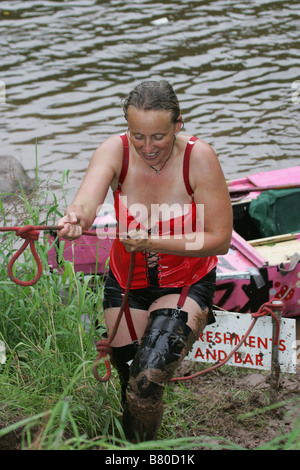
x,y
136,240
71,227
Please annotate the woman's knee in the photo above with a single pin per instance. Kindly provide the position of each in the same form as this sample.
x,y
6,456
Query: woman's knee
x,y
197,317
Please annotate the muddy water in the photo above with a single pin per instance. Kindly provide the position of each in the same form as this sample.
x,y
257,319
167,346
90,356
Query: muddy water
x,y
66,65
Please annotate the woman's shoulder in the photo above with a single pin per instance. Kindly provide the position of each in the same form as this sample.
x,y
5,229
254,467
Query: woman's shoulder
x,y
200,147
202,150
108,156
112,143
109,152
204,164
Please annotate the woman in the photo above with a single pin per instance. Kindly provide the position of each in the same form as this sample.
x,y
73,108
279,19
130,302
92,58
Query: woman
x,y
174,213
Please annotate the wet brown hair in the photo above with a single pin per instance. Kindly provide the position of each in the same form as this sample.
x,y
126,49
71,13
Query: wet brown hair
x,y
153,95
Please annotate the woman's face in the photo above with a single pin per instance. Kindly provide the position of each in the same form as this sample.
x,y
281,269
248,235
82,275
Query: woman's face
x,y
152,133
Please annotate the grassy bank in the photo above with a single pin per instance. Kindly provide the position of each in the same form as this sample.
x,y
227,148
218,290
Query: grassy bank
x,y
49,398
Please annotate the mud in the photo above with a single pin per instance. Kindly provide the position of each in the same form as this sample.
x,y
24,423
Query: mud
x,y
147,405
231,407
198,322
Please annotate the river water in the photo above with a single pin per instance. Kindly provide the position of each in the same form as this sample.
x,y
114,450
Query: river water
x,y
66,65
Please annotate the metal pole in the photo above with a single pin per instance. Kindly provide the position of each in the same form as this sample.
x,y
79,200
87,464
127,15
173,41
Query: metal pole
x,y
275,367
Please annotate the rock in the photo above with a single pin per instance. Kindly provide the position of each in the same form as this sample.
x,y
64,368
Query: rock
x,y
11,171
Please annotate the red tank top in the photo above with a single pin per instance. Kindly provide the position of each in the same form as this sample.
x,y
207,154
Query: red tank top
x,y
157,269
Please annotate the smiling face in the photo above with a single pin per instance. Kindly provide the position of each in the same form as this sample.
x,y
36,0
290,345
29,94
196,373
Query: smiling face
x,y
152,134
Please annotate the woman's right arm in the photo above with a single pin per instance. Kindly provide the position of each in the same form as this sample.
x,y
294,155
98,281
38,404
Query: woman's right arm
x,y
104,167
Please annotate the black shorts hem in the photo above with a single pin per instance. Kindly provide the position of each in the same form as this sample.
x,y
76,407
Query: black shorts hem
x,y
201,292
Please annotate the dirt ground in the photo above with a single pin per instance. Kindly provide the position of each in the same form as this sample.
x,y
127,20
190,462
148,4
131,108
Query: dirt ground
x,y
235,405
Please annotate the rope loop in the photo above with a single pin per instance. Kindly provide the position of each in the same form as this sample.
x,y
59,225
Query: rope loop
x,y
104,348
30,234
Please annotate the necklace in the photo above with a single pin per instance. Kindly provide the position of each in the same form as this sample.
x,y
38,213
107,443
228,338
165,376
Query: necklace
x,y
159,170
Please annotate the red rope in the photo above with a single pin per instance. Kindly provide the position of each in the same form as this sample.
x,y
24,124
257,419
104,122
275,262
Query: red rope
x,y
104,346
30,234
266,309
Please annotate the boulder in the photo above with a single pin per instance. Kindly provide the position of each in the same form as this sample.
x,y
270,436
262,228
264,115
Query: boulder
x,y
11,171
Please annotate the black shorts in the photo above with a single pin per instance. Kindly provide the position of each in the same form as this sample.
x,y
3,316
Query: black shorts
x,y
202,292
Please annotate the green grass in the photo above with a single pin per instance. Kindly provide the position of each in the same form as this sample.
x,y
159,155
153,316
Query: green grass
x,y
49,398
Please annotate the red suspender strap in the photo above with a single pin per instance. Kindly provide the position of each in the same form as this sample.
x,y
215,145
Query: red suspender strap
x,y
129,322
125,158
183,296
186,164
121,179
186,168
